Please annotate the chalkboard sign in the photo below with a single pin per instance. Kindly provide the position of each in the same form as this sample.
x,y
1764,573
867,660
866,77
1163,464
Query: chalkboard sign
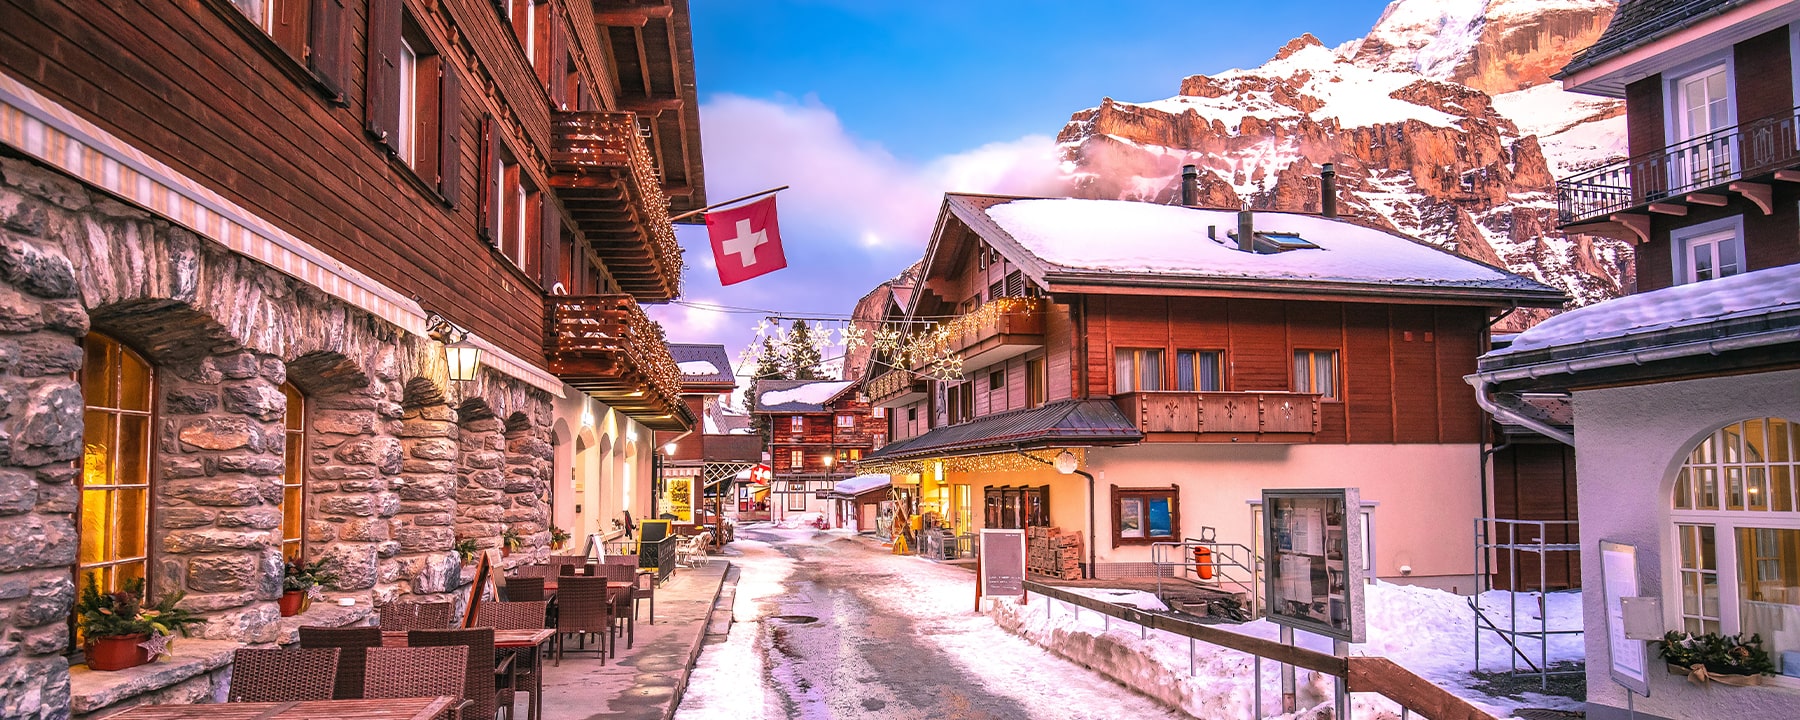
x,y
1002,563
650,536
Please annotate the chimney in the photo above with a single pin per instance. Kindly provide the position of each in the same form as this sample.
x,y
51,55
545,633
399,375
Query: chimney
x,y
1328,190
1190,186
1246,231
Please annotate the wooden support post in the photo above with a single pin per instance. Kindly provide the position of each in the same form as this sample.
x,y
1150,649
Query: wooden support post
x,y
1760,193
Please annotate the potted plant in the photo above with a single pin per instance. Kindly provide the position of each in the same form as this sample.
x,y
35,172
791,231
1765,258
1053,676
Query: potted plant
x,y
299,582
1727,659
119,630
558,537
510,540
466,550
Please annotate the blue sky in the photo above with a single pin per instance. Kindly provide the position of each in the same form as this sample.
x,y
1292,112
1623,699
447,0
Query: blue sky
x,y
872,110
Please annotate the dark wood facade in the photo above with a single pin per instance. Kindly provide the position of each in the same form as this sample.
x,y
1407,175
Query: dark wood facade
x,y
818,435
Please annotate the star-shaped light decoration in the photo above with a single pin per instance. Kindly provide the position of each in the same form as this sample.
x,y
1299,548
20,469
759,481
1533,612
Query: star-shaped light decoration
x,y
762,327
853,338
158,645
886,341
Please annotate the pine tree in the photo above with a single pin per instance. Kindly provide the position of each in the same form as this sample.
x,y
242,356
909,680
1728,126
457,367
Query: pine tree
x,y
803,358
768,367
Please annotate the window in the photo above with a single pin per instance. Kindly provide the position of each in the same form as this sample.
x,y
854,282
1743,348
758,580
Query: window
x,y
796,497
961,402
846,421
878,412
997,380
518,211
1737,533
1708,251
1198,370
1137,370
116,386
1701,105
981,257
1145,515
797,423
1036,382
912,413
407,145
1016,507
412,99
293,477
1315,371
796,459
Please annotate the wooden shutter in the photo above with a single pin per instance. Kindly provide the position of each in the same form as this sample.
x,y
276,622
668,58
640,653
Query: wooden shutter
x,y
559,65
381,94
327,42
449,133
484,174
550,221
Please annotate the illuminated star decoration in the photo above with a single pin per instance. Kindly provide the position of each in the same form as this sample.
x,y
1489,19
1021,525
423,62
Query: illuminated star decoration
x,y
158,645
853,338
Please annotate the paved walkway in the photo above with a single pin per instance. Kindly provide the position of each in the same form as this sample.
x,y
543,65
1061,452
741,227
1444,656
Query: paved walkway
x,y
645,681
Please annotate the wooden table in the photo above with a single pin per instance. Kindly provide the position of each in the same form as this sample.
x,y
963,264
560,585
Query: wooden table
x,y
523,643
420,708
550,585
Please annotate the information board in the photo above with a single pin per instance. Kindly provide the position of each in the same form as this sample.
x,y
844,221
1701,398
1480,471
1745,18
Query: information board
x,y
1314,567
1619,580
1002,563
650,535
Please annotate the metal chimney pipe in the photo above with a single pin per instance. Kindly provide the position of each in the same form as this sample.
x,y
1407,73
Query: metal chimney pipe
x,y
1246,231
1190,185
1328,190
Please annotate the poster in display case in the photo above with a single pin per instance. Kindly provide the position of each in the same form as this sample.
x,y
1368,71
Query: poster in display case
x,y
1314,566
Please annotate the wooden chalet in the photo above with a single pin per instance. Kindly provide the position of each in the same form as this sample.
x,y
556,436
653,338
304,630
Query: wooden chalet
x,y
709,452
818,430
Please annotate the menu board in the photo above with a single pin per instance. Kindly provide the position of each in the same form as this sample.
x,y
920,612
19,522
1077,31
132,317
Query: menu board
x,y
1618,575
1313,578
1002,562
679,499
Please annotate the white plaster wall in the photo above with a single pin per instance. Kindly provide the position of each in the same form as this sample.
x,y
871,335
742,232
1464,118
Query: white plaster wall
x,y
1630,441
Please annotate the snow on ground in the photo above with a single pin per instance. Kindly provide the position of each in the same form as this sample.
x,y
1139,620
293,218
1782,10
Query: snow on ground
x,y
1427,631
728,681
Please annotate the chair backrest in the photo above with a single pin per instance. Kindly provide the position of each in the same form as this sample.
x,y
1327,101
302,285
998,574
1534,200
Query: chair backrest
x,y
512,615
566,570
478,682
581,605
618,573
353,641
530,571
415,616
401,672
525,589
275,675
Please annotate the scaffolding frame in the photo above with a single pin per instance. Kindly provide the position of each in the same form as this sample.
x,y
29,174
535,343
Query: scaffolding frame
x,y
1494,536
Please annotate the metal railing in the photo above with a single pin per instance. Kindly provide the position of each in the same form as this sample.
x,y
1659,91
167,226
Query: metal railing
x,y
662,556
1758,146
1229,565
1496,537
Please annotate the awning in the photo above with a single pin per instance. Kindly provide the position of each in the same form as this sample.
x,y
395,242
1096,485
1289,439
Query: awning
x,y
861,484
1061,423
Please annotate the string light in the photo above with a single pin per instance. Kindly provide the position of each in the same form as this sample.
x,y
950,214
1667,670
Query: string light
x,y
997,462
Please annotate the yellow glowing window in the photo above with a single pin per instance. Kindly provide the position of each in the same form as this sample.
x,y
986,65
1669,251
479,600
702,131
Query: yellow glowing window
x,y
116,385
293,478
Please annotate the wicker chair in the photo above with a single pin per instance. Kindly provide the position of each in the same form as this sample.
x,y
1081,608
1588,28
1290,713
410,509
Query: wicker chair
x,y
401,672
624,601
525,589
517,616
271,675
527,571
582,608
487,686
415,616
353,642
639,589
559,561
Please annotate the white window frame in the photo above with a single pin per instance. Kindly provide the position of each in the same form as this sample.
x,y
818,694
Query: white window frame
x,y
1682,257
796,459
846,421
519,196
1673,119
408,141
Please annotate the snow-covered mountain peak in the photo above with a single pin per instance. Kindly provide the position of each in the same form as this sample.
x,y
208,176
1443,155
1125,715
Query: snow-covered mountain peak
x,y
1430,37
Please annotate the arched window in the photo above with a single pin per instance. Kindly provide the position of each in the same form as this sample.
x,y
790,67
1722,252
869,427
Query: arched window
x,y
117,386
1737,532
293,477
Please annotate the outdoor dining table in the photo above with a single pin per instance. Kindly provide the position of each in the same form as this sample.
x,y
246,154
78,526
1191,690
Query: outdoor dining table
x,y
419,708
512,640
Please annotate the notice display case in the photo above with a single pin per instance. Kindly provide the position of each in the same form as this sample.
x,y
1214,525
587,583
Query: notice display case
x,y
1314,564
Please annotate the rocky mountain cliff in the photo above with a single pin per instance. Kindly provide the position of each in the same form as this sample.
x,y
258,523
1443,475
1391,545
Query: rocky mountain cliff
x,y
1443,123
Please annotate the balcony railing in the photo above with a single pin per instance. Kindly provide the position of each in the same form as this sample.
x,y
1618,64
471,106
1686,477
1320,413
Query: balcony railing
x,y
608,181
1216,414
1000,329
1741,152
895,388
607,347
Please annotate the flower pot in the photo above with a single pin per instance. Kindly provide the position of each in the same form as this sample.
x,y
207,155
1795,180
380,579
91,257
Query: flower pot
x,y
117,652
1699,675
293,602
505,551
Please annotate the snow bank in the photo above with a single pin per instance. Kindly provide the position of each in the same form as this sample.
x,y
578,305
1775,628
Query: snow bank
x,y
803,520
1129,598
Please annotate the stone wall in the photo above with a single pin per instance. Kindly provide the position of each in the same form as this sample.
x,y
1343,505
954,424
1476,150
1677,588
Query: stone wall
x,y
424,528
481,476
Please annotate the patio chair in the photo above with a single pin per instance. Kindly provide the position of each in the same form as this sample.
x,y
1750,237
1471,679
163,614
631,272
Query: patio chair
x,y
639,590
525,589
582,609
352,642
274,675
415,616
402,672
487,685
528,571
516,616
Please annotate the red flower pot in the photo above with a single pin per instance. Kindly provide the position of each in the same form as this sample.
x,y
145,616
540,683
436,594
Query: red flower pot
x,y
117,653
293,602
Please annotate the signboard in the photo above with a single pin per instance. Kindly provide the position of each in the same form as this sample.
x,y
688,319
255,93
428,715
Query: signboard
x,y
650,535
1000,564
1619,580
1314,579
679,500
490,584
596,548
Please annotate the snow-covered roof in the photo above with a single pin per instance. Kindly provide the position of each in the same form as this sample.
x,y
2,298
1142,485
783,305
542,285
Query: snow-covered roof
x,y
1749,294
791,396
702,363
1116,237
861,484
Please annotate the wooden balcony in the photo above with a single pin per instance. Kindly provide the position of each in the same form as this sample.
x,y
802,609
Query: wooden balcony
x,y
607,179
605,346
896,388
1270,417
1617,200
998,330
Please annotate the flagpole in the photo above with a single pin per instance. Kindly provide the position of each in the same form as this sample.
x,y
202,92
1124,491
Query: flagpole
x,y
713,206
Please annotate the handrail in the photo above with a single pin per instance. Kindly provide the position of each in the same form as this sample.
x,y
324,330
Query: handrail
x,y
1224,556
1695,164
1377,675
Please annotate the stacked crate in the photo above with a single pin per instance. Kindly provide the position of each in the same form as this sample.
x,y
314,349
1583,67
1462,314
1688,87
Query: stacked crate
x,y
1051,552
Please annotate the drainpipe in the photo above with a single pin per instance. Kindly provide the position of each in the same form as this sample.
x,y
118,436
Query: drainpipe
x,y
1487,402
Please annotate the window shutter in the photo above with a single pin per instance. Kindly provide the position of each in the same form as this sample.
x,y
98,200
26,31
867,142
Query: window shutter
x,y
450,134
559,71
326,47
381,94
551,223
484,174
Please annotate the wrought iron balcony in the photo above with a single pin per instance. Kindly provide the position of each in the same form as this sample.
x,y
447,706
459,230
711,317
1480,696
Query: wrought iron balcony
x,y
607,179
1000,329
1222,416
605,346
896,388
1739,159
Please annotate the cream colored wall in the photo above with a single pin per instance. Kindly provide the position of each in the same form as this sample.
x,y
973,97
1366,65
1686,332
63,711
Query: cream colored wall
x,y
605,468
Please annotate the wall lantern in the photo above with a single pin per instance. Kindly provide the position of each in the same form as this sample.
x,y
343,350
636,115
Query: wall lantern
x,y
461,357
1066,462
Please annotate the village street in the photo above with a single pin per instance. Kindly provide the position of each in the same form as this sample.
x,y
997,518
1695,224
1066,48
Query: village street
x,y
894,637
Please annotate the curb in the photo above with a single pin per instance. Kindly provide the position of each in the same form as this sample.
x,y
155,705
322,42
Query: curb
x,y
700,640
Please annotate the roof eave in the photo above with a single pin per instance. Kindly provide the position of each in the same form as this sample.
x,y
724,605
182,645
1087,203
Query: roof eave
x,y
1080,282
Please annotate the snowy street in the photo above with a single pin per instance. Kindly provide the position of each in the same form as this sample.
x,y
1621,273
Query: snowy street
x,y
894,637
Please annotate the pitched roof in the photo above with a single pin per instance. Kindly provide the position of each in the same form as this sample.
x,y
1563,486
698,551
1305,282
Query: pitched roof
x,y
703,363
797,396
1071,422
1075,241
1640,21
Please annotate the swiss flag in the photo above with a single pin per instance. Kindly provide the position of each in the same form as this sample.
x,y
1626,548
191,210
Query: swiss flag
x,y
745,241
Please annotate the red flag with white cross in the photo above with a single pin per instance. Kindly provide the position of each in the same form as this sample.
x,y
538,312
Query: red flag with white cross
x,y
746,241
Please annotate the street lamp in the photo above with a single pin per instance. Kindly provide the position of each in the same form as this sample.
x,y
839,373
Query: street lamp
x,y
462,359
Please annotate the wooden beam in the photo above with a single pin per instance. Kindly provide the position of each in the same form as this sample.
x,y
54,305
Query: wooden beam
x,y
637,16
1639,225
651,106
1707,199
1787,175
1664,208
1763,194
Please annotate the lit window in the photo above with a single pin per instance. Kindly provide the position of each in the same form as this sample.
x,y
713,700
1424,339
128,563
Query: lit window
x,y
1198,370
293,477
1137,370
1315,371
846,421
796,459
116,386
